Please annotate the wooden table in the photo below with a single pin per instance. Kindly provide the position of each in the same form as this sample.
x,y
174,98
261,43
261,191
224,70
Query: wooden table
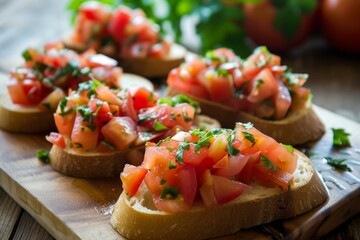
x,y
334,80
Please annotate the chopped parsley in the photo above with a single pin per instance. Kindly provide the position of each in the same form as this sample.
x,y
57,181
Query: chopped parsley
x,y
288,147
338,163
89,86
26,55
170,149
172,165
178,99
231,149
204,141
179,155
145,118
267,163
163,140
159,126
43,156
249,137
222,72
169,192
78,145
259,82
62,106
46,105
340,137
162,181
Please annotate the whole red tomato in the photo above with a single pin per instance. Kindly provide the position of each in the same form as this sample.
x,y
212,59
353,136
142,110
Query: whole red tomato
x,y
341,23
259,26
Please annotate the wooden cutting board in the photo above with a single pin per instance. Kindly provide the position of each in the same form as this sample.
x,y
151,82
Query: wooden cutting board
x,y
80,209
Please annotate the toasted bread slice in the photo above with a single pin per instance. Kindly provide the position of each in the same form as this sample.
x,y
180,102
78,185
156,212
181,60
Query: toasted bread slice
x,y
297,127
31,119
147,67
137,218
102,165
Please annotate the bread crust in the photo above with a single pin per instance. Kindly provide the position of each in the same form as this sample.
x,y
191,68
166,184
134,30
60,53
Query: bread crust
x,y
147,67
135,218
90,165
296,128
23,119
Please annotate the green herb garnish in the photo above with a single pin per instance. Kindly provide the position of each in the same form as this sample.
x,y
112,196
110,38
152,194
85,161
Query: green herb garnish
x,y
26,55
172,165
179,155
340,137
169,192
162,181
338,163
43,156
267,163
231,149
259,82
62,106
204,141
247,126
159,126
288,147
249,137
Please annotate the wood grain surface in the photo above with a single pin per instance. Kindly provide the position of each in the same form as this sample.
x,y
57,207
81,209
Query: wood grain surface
x,y
79,208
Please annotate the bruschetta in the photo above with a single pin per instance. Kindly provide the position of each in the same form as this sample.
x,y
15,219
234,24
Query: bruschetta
x,y
205,184
258,89
100,129
36,88
126,35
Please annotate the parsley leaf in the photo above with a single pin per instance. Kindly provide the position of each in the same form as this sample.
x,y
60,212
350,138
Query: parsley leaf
x,y
204,141
169,192
163,140
26,55
340,137
43,156
162,181
172,165
159,126
179,155
267,163
338,163
249,137
62,106
231,149
288,147
259,82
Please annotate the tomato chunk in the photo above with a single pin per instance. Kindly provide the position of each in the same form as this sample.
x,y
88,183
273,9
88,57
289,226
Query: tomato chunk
x,y
132,178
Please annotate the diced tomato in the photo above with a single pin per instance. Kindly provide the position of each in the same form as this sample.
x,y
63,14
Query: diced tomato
x,y
100,60
181,136
206,189
218,149
17,93
65,123
120,131
51,101
262,86
102,111
93,11
160,113
119,21
259,59
283,158
193,158
84,135
181,85
220,87
300,98
235,165
132,177
143,98
270,177
246,174
282,101
187,183
226,190
128,107
184,115
170,205
223,163
104,93
56,139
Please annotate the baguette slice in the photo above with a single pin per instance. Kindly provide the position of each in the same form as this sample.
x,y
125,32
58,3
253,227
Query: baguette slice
x,y
137,218
30,119
297,127
102,165
147,67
